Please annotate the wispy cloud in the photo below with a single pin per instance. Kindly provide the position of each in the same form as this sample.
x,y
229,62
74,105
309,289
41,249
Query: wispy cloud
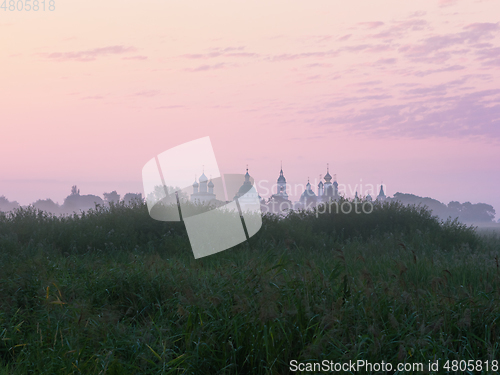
x,y
423,73
437,48
371,25
468,115
203,68
344,38
447,3
138,57
419,13
147,93
319,65
368,83
174,106
348,101
399,29
303,55
218,52
94,97
88,55
386,61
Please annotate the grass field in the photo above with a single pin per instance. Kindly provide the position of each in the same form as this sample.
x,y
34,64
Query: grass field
x,y
115,292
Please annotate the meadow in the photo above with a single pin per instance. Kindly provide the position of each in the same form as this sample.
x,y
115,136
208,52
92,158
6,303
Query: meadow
x,y
113,291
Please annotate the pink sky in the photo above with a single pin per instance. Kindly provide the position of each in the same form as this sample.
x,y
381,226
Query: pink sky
x,y
400,92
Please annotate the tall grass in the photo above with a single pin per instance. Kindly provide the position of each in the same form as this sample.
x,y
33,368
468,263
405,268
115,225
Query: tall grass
x,y
115,292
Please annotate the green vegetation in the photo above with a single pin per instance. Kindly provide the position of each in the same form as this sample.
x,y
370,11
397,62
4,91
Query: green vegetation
x,y
115,292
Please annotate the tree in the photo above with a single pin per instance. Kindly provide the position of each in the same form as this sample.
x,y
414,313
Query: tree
x,y
75,190
47,205
112,197
159,195
76,202
477,212
6,205
131,198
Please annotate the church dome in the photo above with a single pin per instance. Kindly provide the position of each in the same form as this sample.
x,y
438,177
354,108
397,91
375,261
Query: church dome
x,y
195,184
210,183
203,178
328,177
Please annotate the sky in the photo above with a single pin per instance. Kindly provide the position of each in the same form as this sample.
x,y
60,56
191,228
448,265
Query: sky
x,y
394,92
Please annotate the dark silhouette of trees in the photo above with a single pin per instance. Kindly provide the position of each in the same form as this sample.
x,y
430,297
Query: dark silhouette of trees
x,y
465,212
75,190
47,205
76,202
6,205
112,197
130,198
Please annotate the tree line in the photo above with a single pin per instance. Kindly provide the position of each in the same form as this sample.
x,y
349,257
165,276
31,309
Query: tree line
x,y
74,202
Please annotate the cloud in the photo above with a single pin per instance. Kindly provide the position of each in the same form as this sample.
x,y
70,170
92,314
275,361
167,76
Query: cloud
x,y
440,90
241,54
138,57
400,28
489,56
368,83
95,97
218,52
147,93
319,65
296,56
345,37
371,25
201,56
203,68
341,102
88,55
447,3
170,106
228,49
318,38
451,68
386,61
431,48
468,115
420,13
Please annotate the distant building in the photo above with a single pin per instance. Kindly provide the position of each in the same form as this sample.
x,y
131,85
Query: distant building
x,y
329,191
381,195
279,202
308,199
203,191
247,196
